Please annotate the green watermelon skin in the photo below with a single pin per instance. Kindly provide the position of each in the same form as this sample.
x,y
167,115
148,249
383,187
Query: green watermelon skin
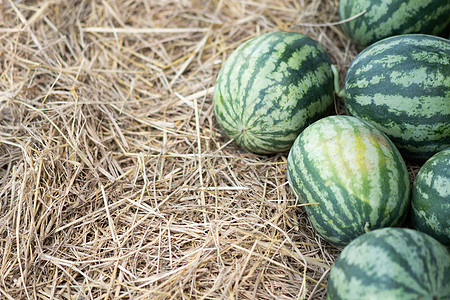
x,y
430,199
385,18
391,263
270,88
401,85
354,173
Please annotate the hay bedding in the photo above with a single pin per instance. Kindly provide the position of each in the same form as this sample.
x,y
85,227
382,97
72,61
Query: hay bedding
x,y
116,182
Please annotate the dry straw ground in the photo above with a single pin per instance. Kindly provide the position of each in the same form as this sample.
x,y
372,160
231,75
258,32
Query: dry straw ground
x,y
115,180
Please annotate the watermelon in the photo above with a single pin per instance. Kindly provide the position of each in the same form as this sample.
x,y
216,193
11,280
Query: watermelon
x,y
431,197
385,18
402,86
391,263
271,88
350,178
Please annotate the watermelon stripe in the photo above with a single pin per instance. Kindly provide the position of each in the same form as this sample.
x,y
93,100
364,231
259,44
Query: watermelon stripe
x,y
338,215
414,130
234,86
360,273
261,67
403,83
309,186
392,45
237,83
432,107
342,181
382,216
256,71
392,247
265,91
385,281
426,9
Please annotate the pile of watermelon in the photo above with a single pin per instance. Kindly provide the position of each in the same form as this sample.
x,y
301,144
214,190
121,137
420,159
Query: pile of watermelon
x,y
275,93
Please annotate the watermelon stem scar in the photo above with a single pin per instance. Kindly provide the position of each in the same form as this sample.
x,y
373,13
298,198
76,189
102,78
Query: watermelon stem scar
x,y
337,89
367,227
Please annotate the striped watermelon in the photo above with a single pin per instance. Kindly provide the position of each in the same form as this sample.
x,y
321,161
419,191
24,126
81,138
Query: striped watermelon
x,y
431,197
391,263
271,88
354,173
402,86
385,18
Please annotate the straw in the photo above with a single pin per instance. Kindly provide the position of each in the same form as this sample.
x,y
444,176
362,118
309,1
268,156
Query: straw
x,y
116,180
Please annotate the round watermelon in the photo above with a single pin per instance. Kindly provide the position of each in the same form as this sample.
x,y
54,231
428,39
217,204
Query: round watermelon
x,y
271,88
385,18
391,263
350,178
401,85
431,197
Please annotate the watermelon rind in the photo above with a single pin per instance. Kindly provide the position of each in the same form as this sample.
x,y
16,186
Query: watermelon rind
x,y
401,85
430,198
270,88
391,263
349,177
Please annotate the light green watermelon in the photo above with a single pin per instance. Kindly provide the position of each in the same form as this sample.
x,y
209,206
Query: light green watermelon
x,y
351,175
431,197
385,18
271,88
401,85
391,264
